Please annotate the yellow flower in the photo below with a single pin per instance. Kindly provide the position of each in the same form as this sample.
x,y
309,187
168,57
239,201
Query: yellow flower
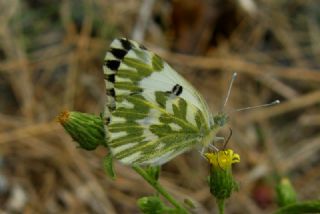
x,y
223,159
221,182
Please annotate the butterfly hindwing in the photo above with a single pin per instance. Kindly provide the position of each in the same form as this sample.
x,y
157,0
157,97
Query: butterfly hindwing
x,y
152,114
145,132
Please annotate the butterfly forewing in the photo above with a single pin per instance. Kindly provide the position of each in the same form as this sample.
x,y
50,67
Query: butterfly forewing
x,y
152,114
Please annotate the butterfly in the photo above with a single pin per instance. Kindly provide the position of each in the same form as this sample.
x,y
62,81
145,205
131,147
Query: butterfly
x,y
152,114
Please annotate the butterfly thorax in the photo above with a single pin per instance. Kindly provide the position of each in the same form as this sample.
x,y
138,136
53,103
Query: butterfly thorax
x,y
218,122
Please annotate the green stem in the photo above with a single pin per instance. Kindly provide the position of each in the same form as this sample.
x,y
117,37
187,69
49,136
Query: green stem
x,y
220,203
302,207
159,188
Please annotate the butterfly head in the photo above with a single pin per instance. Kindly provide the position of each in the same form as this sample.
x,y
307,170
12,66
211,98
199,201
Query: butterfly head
x,y
220,119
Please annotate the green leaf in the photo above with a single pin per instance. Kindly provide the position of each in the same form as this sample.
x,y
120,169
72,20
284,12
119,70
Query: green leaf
x,y
301,207
108,166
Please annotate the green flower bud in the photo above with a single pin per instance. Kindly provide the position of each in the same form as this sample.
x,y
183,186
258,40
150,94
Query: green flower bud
x,y
86,129
151,205
285,193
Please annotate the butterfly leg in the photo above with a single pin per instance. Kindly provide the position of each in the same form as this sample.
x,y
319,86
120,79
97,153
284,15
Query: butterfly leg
x,y
202,153
210,146
213,147
216,139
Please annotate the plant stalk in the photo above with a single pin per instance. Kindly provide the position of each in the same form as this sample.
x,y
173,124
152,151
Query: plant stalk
x,y
155,184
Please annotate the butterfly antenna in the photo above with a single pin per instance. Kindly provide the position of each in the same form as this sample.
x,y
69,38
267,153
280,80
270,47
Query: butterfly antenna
x,y
258,106
234,76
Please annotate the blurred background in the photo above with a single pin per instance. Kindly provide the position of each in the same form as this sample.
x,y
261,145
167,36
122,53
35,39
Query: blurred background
x,y
51,55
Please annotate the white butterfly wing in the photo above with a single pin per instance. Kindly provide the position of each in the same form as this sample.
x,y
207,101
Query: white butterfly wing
x,y
152,114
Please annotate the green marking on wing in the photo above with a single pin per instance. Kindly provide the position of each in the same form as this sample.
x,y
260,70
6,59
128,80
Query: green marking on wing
x,y
127,86
118,127
157,63
125,140
140,107
142,55
129,114
142,68
180,110
172,150
148,148
200,119
161,98
132,75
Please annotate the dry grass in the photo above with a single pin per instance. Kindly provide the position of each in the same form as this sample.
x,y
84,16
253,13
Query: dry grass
x,y
50,60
